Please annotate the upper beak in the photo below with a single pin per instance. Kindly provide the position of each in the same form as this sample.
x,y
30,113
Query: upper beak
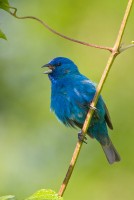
x,y
50,68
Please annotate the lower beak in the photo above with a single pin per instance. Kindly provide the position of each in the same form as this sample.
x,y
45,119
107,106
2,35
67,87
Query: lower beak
x,y
48,71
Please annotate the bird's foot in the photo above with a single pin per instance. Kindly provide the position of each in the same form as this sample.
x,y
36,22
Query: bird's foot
x,y
81,137
92,108
95,111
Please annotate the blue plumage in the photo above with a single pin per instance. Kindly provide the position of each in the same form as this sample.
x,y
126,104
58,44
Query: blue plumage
x,y
71,95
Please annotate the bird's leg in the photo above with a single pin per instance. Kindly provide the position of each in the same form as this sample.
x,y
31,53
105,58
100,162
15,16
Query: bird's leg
x,y
92,107
95,111
81,137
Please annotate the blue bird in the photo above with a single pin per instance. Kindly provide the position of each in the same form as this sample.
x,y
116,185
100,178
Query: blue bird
x,y
71,95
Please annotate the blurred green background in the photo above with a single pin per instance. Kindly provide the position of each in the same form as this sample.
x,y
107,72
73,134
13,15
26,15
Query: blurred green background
x,y
35,149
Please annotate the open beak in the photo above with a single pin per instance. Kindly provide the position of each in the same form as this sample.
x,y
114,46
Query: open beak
x,y
50,67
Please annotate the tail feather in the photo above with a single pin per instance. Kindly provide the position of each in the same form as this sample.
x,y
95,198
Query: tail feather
x,y
110,152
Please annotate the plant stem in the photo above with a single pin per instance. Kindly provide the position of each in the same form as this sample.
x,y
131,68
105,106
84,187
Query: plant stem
x,y
114,53
57,33
123,25
126,47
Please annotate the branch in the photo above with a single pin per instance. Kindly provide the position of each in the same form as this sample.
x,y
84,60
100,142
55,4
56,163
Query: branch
x,y
126,47
114,53
57,33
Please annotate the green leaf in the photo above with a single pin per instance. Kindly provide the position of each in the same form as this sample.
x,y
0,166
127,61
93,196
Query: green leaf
x,y
44,194
2,35
7,197
5,5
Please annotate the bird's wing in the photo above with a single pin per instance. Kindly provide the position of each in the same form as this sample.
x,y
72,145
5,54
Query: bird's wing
x,y
81,94
107,117
87,90
91,88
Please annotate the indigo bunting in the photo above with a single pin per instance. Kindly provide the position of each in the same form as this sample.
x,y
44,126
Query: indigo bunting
x,y
71,95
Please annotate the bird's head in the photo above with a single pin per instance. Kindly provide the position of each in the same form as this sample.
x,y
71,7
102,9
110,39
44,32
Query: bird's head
x,y
60,67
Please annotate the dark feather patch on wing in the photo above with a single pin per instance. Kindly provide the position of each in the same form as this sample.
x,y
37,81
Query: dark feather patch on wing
x,y
78,124
107,118
73,123
84,106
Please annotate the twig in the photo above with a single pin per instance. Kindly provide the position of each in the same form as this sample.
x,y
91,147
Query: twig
x,y
57,33
115,52
126,47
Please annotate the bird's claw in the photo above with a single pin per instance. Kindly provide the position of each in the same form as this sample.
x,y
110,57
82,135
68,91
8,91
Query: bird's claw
x,y
93,108
95,111
81,137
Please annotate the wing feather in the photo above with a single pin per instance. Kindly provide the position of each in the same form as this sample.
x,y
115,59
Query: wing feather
x,y
108,118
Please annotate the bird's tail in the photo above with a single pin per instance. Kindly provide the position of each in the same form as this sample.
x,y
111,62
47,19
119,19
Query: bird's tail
x,y
110,151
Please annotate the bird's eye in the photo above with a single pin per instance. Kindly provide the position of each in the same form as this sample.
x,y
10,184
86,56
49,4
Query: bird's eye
x,y
58,64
